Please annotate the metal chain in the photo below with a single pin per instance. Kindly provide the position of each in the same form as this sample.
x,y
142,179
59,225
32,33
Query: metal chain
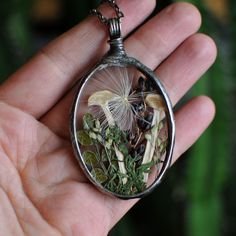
x,y
102,18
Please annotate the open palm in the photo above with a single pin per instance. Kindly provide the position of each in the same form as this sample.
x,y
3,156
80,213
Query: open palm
x,y
42,189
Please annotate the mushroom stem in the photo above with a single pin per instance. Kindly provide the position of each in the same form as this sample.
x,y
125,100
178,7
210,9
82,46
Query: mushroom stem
x,y
155,132
108,115
151,144
154,101
102,99
121,164
119,155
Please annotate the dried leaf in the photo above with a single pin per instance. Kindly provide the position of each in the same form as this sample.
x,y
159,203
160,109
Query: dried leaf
x,y
84,138
123,149
88,121
145,168
99,175
90,158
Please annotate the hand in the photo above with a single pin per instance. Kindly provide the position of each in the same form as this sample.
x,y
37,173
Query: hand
x,y
42,189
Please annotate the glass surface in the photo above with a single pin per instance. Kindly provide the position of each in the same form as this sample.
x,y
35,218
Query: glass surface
x,y
121,129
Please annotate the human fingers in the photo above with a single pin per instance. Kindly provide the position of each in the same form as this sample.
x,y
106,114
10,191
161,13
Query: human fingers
x,y
191,121
38,85
150,51
61,195
186,65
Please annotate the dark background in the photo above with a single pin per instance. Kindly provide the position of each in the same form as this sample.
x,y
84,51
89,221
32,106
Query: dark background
x,y
198,196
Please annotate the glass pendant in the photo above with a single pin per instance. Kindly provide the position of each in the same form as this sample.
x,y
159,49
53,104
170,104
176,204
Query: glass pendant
x,y
122,123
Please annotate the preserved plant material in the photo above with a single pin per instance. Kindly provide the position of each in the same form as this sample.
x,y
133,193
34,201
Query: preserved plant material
x,y
123,135
122,123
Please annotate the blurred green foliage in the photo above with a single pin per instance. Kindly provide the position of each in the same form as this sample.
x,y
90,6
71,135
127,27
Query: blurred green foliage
x,y
15,35
208,168
197,197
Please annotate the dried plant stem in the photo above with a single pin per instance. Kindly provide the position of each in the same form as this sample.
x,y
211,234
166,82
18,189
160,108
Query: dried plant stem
x,y
119,155
151,144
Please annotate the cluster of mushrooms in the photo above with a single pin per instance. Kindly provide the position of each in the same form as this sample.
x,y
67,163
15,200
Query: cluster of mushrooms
x,y
148,115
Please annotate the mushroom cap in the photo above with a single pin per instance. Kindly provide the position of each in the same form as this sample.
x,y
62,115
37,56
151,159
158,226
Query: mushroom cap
x,y
100,98
155,101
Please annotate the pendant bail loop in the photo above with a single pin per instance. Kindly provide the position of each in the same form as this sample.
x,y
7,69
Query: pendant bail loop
x,y
114,25
116,40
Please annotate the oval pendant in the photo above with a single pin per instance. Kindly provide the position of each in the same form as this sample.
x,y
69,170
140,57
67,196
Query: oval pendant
x,y
122,126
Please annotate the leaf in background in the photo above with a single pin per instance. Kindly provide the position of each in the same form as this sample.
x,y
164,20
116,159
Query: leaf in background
x,y
207,167
15,35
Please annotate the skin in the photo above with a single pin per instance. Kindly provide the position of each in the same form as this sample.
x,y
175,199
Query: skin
x,y
42,189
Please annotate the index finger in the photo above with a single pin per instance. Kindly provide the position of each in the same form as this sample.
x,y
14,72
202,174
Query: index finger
x,y
38,85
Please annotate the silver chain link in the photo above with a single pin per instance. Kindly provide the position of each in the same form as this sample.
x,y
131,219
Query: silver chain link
x,y
102,18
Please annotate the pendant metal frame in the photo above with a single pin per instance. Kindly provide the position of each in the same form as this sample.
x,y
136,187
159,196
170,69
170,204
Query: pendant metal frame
x,y
117,57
